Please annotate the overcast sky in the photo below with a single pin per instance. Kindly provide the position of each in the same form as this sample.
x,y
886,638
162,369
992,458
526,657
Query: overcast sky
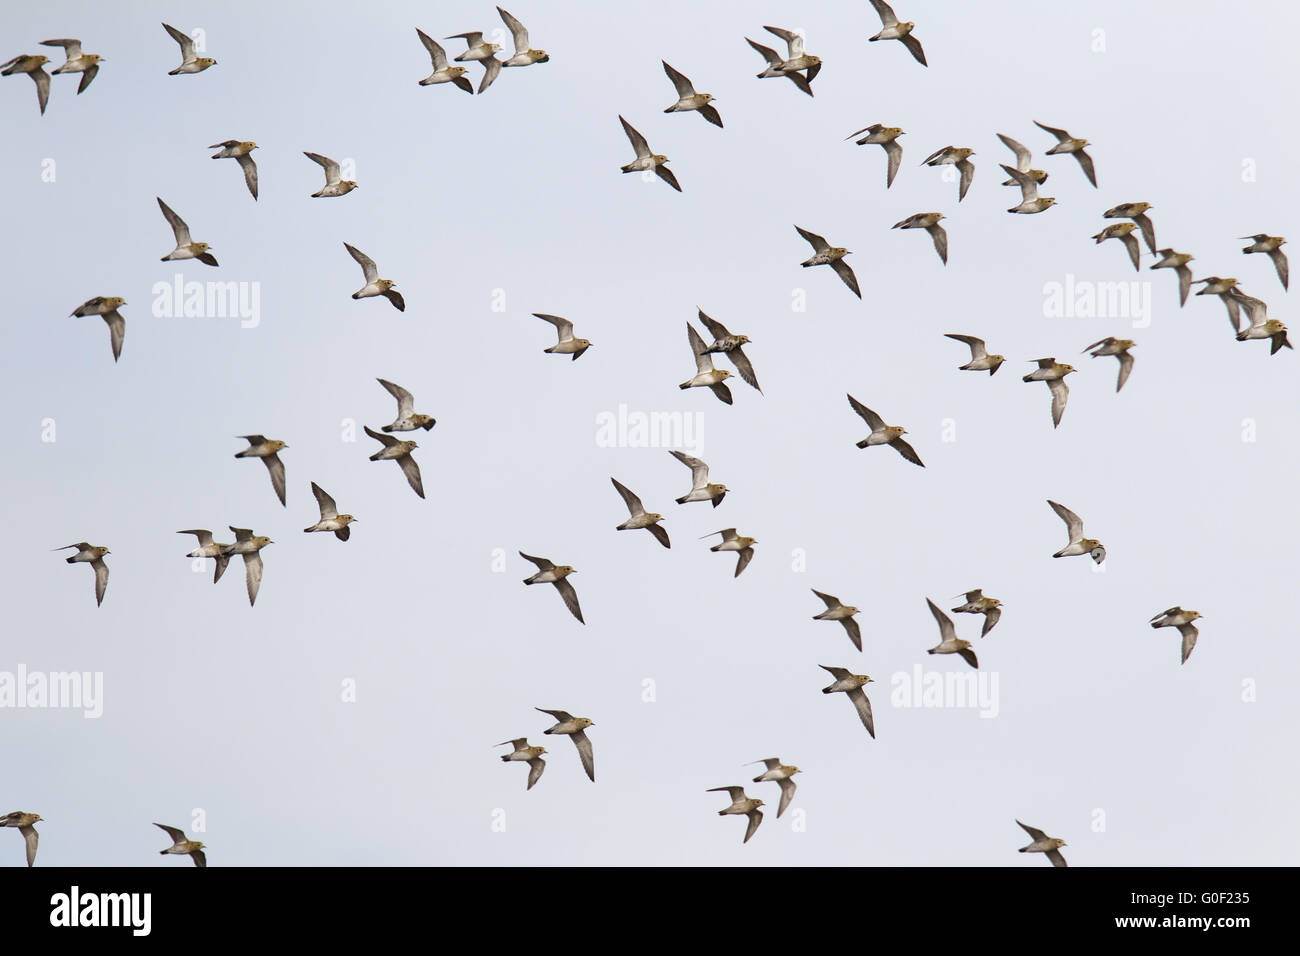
x,y
487,208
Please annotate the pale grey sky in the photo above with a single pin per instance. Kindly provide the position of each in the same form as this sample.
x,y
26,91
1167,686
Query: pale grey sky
x,y
514,198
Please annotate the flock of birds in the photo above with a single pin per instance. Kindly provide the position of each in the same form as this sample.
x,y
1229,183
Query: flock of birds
x,y
801,68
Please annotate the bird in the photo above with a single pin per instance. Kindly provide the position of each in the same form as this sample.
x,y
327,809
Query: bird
x,y
190,61
87,64
775,63
1177,617
824,254
734,542
443,72
701,488
977,603
688,99
1226,290
796,60
955,156
1053,374
374,285
645,159
851,685
882,434
524,54
1069,144
94,556
1044,844
24,823
400,452
575,729
1024,162
182,846
549,573
1118,348
835,611
106,307
1078,543
1123,231
530,755
186,248
1260,242
742,805
1261,326
980,359
887,138
1030,201
210,549
706,376
781,774
330,519
334,184
267,449
1137,211
250,546
241,150
929,221
732,346
32,65
640,518
893,30
476,49
408,419
949,642
565,344
1169,259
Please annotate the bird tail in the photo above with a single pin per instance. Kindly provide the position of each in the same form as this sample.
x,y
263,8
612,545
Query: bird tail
x,y
863,443
684,385
681,500
386,428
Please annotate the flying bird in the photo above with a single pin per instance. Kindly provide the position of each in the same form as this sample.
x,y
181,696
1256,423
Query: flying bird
x,y
775,67
259,446
1226,290
483,52
566,344
929,221
330,519
893,30
1260,242
186,248
882,434
1118,348
958,156
335,185
742,805
530,755
210,549
1137,211
443,72
1078,543
1169,259
574,728
885,137
1030,201
1053,373
977,603
94,556
732,346
645,159
796,60
835,611
1123,231
250,546
706,376
1069,144
182,846
701,488
400,452
24,823
1044,844
191,62
1177,617
851,685
1261,326
640,518
241,150
374,285
734,542
524,54
782,775
1024,162
31,64
87,64
688,99
824,254
949,642
408,419
980,359
548,573
106,308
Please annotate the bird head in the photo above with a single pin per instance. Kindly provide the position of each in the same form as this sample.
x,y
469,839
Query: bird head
x,y
206,61
584,722
114,302
277,444
584,343
201,246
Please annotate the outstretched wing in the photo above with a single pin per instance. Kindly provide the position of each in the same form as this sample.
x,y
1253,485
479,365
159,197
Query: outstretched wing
x,y
368,267
405,400
871,418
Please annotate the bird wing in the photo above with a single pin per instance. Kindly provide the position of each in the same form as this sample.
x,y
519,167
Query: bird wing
x,y
967,170
818,243
743,366
885,12
101,579
1280,263
405,400
242,534
491,70
583,743
788,787
200,858
632,501
940,235
702,361
436,53
863,707
839,673
473,38
179,229
328,509
1148,230
755,818
368,267
914,47
31,838
667,175
1134,251
1060,393
1189,633
743,557
535,768
681,83
520,34
560,715
855,634
411,469
946,629
570,599
969,657
991,618
71,48
871,418
772,57
638,141
1184,283
186,42
177,834
845,272
793,41
660,533
716,328
736,793
1073,523
830,601
116,331
907,451
253,575
1060,134
563,327
332,172
204,536
276,467
1023,156
710,113
1086,162
1125,367
1028,188
542,565
250,172
1056,858
894,151
388,440
977,349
